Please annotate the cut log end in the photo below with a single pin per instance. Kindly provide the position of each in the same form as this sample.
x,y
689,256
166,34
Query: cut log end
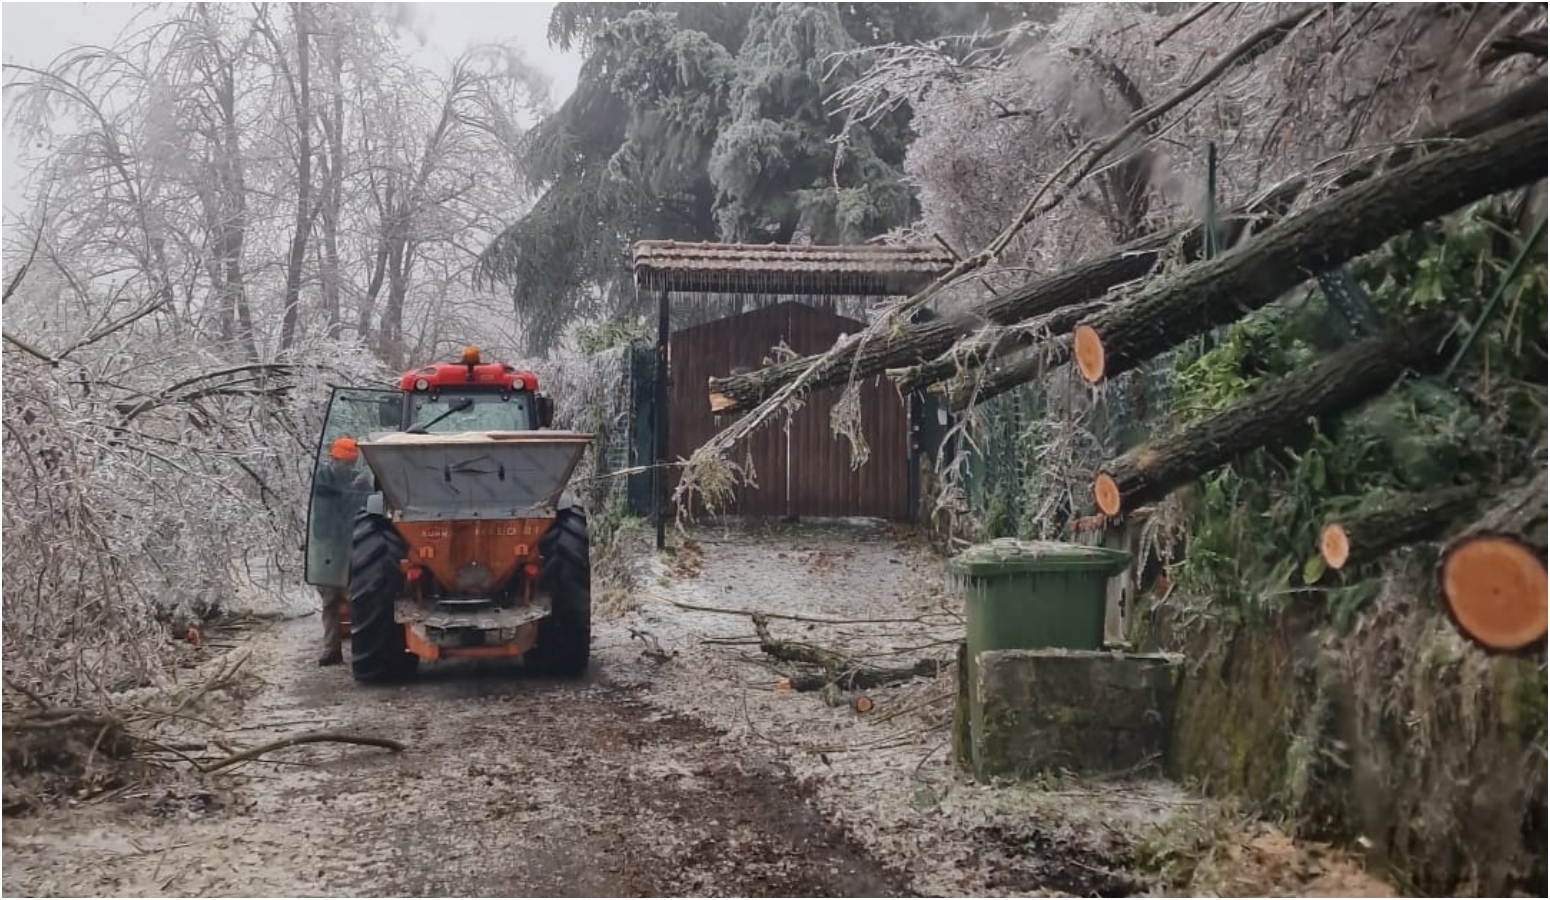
x,y
1494,589
1087,347
1335,546
1106,492
720,402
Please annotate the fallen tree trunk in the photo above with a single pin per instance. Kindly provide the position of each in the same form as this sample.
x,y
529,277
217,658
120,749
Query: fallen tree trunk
x,y
1492,576
916,343
1275,415
1089,280
1349,223
1038,331
1363,536
1000,376
1029,365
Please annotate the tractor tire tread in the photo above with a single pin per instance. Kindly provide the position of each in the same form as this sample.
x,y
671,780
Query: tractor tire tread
x,y
565,637
378,653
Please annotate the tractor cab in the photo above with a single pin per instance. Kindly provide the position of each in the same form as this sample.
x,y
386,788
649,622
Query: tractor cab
x,y
442,398
448,532
472,395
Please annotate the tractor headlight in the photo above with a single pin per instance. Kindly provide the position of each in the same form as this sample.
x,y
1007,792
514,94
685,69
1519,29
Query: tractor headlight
x,y
421,384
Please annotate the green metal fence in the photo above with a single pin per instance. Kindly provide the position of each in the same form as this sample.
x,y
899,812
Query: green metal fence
x,y
1032,452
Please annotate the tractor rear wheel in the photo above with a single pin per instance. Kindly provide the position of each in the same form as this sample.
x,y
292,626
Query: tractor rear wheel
x,y
565,636
377,649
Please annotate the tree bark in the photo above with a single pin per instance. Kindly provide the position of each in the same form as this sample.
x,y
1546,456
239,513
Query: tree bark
x,y
1275,415
1006,374
953,362
401,242
332,122
368,304
919,343
1088,280
301,96
859,677
230,207
390,334
1349,223
1492,576
846,673
311,737
1362,537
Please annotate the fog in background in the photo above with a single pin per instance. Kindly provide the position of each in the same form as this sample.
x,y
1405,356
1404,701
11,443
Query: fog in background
x,y
34,34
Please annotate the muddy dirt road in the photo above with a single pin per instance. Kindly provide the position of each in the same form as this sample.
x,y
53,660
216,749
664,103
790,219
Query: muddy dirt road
x,y
511,786
684,765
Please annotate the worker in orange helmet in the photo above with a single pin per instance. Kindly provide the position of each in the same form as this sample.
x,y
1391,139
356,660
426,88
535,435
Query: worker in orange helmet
x,y
345,451
339,493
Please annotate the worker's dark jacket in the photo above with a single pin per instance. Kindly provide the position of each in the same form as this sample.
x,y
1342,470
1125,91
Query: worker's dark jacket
x,y
337,497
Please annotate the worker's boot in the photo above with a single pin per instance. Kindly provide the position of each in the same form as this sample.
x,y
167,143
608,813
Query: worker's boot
x,y
333,641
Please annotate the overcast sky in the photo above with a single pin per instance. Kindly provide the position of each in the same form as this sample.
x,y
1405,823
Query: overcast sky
x,y
34,33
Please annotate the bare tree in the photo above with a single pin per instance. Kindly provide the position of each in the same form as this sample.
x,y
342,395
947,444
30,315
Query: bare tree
x,y
298,89
173,326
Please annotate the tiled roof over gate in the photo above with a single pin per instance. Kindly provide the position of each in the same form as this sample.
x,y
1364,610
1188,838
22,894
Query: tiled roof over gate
x,y
847,269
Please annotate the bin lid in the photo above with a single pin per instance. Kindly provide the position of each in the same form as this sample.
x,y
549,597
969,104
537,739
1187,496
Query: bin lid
x,y
1009,555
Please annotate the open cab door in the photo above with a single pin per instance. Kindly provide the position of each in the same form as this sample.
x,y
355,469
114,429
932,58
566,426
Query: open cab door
x,y
338,495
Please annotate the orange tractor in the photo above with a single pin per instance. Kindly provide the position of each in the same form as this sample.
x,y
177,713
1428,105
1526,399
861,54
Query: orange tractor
x,y
459,540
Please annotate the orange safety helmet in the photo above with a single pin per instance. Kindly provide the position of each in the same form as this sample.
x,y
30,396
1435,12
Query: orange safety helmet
x,y
345,450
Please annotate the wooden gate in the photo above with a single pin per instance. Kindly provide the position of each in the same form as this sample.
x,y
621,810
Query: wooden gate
x,y
803,471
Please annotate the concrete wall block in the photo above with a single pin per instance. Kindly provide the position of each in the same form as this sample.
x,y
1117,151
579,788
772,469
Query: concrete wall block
x,y
1094,713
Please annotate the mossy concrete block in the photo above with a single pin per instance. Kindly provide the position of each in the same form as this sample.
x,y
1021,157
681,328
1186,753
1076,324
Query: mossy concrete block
x,y
1087,712
963,737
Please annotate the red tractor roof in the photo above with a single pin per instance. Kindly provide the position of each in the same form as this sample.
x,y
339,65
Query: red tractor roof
x,y
468,373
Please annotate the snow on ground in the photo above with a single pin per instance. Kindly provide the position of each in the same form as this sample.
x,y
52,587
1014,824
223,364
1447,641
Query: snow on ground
x,y
867,590
681,765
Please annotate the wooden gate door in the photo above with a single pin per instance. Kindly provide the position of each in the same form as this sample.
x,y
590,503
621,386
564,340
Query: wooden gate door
x,y
803,469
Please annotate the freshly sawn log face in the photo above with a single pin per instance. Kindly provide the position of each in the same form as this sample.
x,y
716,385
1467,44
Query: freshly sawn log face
x,y
1345,225
1090,280
1492,576
1336,383
1363,537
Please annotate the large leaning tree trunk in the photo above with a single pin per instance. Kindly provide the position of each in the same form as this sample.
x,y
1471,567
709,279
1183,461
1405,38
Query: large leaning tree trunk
x,y
1276,415
1036,331
917,343
1362,536
1091,279
1002,375
1347,224
1492,576
1028,364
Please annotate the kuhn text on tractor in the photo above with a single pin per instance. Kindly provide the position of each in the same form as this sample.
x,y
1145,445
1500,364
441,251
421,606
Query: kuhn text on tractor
x,y
458,540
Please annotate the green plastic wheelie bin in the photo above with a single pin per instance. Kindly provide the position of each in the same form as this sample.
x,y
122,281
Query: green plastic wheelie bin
x,y
1025,595
1028,595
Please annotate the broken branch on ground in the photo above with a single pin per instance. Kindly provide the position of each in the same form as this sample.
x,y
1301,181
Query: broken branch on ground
x,y
837,669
